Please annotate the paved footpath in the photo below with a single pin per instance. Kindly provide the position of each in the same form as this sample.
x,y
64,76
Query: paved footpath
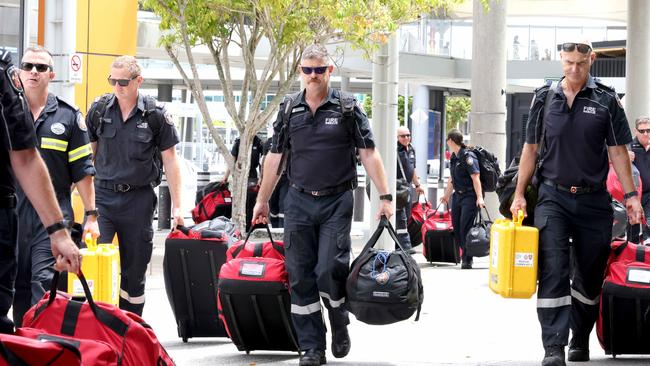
x,y
462,323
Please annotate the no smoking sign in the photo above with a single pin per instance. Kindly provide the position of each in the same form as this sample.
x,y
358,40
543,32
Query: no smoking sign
x,y
74,66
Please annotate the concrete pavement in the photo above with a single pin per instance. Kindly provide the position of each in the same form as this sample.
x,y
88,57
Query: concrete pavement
x,y
462,323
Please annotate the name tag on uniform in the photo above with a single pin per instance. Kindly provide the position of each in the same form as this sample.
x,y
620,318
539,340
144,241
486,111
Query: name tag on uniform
x,y
298,109
107,120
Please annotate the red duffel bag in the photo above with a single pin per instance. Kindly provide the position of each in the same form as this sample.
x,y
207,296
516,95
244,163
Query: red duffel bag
x,y
58,314
20,351
269,249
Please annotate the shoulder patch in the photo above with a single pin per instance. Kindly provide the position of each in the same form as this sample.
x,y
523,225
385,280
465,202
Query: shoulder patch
x,y
618,100
168,117
469,161
81,122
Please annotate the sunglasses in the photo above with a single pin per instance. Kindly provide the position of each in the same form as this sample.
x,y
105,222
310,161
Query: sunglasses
x,y
643,131
28,66
120,82
406,135
308,70
569,47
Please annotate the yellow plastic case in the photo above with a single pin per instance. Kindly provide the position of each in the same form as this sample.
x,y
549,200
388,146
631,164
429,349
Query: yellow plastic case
x,y
514,254
101,266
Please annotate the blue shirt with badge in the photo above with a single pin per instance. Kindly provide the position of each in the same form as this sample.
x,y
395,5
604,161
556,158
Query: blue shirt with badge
x,y
462,166
577,137
407,157
125,149
321,145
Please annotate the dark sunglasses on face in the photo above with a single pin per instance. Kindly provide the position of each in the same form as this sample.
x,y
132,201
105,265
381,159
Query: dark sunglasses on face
x,y
120,82
319,69
406,135
569,47
28,66
644,131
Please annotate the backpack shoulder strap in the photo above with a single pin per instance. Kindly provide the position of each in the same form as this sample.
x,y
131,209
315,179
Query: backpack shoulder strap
x,y
98,110
289,102
347,102
150,106
547,106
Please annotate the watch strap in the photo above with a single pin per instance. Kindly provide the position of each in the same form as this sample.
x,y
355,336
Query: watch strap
x,y
60,225
92,212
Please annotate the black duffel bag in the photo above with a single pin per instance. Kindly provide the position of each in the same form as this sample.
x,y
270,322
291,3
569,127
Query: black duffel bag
x,y
477,241
384,287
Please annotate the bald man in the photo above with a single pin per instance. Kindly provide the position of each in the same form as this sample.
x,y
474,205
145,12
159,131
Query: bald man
x,y
405,169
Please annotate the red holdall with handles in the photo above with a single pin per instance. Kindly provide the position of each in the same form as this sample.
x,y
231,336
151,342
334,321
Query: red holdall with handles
x,y
419,213
17,350
58,314
268,249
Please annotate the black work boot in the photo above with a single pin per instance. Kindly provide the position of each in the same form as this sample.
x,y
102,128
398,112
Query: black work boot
x,y
313,357
554,356
340,342
578,349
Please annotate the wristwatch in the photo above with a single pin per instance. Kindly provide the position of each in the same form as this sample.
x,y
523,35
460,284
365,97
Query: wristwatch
x,y
388,197
63,224
93,212
630,194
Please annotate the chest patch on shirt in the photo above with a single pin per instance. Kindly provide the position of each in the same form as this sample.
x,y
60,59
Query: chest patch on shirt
x,y
143,125
332,121
297,109
57,128
589,110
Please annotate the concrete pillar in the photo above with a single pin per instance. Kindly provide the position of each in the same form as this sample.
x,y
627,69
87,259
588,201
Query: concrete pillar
x,y
384,122
488,115
637,64
420,129
345,83
165,92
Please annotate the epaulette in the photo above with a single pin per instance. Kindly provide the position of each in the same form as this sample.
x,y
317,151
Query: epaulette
x,y
160,105
67,103
600,84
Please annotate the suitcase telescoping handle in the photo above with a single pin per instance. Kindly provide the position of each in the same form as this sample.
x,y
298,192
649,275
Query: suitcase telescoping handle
x,y
384,223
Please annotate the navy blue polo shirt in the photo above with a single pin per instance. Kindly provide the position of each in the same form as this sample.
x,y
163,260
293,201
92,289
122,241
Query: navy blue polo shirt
x,y
257,150
321,145
407,157
63,143
642,163
17,133
577,137
125,149
462,166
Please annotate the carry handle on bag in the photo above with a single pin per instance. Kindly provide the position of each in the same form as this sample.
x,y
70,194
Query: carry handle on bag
x,y
384,223
258,246
478,220
442,213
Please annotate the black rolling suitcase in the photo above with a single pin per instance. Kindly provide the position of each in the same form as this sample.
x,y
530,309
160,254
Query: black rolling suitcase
x,y
438,236
254,300
191,271
623,325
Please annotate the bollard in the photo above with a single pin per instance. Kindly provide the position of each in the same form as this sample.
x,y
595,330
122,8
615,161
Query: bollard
x,y
164,205
202,180
359,198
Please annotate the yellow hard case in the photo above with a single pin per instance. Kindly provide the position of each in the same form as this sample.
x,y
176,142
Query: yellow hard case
x,y
513,258
101,267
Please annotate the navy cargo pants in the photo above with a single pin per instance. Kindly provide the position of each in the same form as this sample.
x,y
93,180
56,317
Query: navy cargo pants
x,y
463,214
35,259
130,216
317,246
8,235
561,303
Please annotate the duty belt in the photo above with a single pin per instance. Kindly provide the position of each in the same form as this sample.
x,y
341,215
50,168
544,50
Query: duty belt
x,y
118,187
328,191
574,189
8,201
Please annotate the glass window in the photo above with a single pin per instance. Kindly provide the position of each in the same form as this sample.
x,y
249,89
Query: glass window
x,y
542,43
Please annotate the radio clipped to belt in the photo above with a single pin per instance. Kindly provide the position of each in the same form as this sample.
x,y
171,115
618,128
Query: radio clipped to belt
x,y
101,267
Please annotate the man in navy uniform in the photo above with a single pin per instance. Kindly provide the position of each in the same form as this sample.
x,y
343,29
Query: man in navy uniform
x,y
323,129
63,144
130,138
584,125
18,152
641,149
406,169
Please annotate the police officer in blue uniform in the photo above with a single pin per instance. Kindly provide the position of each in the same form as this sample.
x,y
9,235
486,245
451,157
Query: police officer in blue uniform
x,y
640,147
405,169
584,125
127,138
257,149
323,130
465,183
18,151
63,144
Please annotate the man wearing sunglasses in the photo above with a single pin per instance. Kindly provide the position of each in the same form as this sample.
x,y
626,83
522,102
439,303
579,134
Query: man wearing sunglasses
x,y
641,147
18,153
64,146
132,136
584,125
321,132
406,171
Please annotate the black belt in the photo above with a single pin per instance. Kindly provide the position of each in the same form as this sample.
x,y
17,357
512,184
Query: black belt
x,y
573,189
459,191
8,201
118,187
328,191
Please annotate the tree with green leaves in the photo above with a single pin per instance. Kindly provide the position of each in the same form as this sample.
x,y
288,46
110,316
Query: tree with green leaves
x,y
265,39
457,110
367,105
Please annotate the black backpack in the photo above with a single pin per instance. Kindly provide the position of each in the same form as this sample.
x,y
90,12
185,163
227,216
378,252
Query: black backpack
x,y
384,287
98,110
489,166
